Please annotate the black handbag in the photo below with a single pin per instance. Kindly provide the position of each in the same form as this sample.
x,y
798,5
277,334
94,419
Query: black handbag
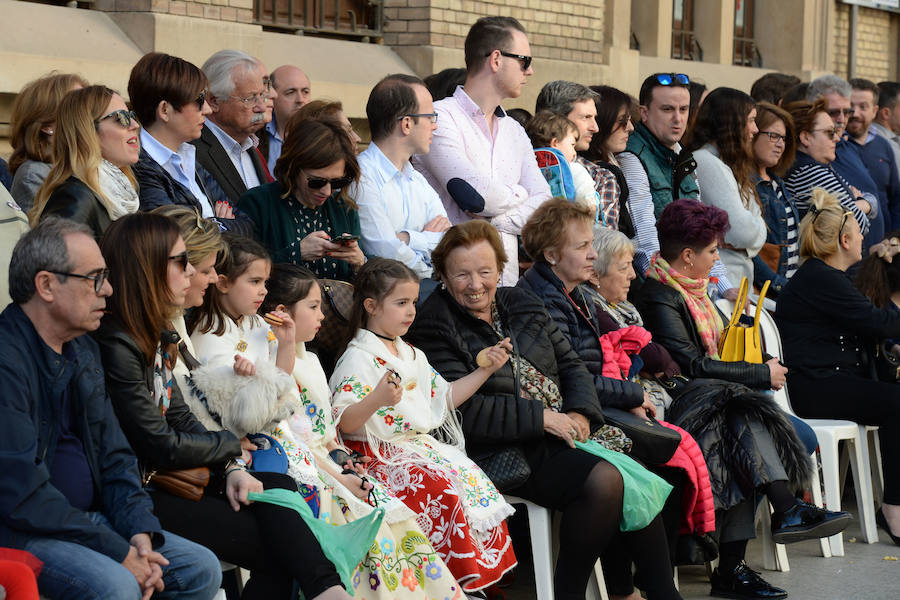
x,y
653,443
507,468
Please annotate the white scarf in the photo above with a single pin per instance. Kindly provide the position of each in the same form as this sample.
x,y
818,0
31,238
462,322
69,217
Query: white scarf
x,y
118,197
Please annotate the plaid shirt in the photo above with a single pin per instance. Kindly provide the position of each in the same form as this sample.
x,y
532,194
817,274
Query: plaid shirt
x,y
608,189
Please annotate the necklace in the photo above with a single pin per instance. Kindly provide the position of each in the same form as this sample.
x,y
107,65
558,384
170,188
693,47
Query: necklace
x,y
384,337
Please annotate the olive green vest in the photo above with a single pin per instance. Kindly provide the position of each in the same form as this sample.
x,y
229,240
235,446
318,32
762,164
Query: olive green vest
x,y
659,162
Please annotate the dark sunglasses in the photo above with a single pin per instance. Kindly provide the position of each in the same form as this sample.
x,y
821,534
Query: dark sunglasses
x,y
670,78
123,117
201,99
836,112
317,183
526,60
181,259
98,278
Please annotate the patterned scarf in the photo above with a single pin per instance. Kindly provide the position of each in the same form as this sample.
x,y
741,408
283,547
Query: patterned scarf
x,y
701,307
119,197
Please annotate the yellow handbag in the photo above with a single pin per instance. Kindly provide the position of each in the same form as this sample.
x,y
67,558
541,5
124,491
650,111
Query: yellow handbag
x,y
740,342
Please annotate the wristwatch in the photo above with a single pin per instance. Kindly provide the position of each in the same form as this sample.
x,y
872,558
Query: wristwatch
x,y
235,464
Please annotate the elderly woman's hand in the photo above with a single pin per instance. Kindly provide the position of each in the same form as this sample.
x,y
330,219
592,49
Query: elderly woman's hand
x,y
582,424
646,409
561,426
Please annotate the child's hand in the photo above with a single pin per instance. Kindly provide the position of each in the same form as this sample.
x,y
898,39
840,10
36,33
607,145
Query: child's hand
x,y
388,392
284,331
356,484
243,366
494,357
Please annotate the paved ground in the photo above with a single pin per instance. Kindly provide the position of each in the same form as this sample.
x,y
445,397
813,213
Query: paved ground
x,y
862,574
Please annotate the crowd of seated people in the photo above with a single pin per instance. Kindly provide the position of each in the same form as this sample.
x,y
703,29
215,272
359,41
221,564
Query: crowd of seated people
x,y
163,257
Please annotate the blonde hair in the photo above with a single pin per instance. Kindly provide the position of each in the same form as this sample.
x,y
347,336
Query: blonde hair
x,y
76,145
201,236
820,228
33,109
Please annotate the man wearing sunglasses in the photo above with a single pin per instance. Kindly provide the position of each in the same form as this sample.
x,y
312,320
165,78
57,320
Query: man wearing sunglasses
x,y
848,163
77,503
481,162
400,215
239,96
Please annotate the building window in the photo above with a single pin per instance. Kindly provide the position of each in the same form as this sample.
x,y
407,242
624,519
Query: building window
x,y
745,51
349,19
683,42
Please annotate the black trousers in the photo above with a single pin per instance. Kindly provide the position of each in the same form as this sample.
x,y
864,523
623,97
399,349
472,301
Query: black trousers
x,y
857,399
272,542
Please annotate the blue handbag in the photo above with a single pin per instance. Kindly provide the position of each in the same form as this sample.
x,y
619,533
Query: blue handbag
x,y
269,456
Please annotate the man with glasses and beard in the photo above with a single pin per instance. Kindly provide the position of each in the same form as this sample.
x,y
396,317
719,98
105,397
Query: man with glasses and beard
x,y
481,161
240,96
876,154
848,164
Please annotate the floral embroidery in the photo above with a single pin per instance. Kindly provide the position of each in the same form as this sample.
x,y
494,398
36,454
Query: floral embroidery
x,y
380,361
409,580
373,581
433,571
241,346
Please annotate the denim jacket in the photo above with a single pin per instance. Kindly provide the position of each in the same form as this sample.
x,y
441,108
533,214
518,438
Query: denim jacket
x,y
776,232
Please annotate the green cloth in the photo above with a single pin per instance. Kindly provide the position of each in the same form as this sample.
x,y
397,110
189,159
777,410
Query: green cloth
x,y
644,493
344,545
658,162
280,224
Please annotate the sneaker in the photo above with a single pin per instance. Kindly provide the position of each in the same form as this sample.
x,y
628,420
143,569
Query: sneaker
x,y
743,583
807,522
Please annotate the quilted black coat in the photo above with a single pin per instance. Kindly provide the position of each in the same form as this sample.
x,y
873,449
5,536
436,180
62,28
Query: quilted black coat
x,y
496,416
581,334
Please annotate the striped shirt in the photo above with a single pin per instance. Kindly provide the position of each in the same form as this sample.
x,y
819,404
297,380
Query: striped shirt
x,y
792,241
808,174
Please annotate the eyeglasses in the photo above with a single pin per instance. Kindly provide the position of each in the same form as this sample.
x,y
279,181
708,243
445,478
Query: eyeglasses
x,y
251,101
670,78
526,60
98,278
123,117
774,136
181,259
317,183
432,116
829,132
836,112
201,99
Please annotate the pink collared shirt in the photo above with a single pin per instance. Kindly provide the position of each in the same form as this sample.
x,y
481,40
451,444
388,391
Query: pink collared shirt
x,y
499,164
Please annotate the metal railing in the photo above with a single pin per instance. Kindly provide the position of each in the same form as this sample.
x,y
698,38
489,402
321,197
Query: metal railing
x,y
746,53
356,19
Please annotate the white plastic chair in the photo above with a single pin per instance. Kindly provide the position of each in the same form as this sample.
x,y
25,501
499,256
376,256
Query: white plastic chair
x,y
829,433
540,530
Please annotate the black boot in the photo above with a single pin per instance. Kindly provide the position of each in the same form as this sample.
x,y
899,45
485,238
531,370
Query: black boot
x,y
743,583
807,522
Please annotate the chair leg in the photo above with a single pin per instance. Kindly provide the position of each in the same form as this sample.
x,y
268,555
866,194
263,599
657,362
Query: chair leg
x,y
774,555
539,528
816,485
877,467
596,589
828,447
859,461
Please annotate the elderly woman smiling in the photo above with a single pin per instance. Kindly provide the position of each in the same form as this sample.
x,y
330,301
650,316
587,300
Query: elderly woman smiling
x,y
534,407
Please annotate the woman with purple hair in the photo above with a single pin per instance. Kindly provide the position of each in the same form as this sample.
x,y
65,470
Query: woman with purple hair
x,y
751,446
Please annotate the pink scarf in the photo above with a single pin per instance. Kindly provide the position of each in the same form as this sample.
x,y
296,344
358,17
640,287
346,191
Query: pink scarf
x,y
703,311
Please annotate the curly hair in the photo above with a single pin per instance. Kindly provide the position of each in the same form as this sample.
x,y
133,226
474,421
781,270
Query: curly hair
x,y
466,235
546,227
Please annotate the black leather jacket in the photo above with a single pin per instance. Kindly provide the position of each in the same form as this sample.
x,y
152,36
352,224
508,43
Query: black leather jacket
x,y
76,201
667,317
174,441
496,415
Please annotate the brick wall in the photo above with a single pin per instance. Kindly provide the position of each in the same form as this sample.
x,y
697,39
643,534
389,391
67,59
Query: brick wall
x,y
874,43
219,10
571,30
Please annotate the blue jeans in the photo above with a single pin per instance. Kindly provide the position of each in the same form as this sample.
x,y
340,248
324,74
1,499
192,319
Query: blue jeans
x,y
805,434
75,571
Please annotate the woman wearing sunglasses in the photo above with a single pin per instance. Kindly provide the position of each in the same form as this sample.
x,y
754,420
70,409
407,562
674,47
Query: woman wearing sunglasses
x,y
94,146
773,152
169,96
304,217
816,142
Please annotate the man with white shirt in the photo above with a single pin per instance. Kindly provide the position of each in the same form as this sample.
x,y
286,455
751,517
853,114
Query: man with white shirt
x,y
481,161
887,119
168,95
239,92
400,215
294,91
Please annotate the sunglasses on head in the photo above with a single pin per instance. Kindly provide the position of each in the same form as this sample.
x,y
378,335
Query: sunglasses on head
x,y
672,78
317,183
181,259
123,117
